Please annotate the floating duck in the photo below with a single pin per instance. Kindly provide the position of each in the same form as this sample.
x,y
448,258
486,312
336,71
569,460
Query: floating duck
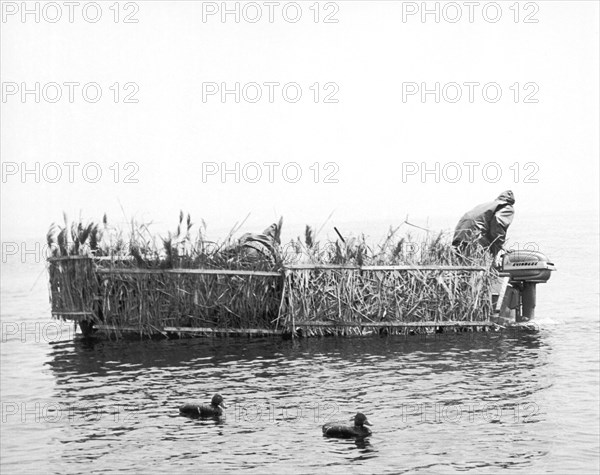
x,y
348,432
214,410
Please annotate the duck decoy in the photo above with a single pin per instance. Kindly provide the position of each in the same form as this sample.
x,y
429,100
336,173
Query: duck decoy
x,y
348,432
215,409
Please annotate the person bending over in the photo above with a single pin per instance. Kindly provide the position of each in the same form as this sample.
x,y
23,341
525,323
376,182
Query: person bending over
x,y
486,224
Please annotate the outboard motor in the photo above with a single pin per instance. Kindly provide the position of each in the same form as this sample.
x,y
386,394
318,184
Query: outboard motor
x,y
522,270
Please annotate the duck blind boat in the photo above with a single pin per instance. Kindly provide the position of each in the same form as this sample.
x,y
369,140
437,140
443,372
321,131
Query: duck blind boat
x,y
119,295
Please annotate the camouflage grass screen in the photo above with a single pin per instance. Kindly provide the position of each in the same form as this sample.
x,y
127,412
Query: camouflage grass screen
x,y
183,285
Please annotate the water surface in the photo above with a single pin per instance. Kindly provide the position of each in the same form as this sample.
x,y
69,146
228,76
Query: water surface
x,y
479,403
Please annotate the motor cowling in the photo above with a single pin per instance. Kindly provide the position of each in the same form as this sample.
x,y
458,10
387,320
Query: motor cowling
x,y
526,266
523,269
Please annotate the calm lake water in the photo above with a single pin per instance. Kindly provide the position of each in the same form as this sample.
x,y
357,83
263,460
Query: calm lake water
x,y
479,403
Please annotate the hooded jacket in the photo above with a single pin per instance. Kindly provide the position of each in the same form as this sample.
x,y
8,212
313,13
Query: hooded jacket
x,y
487,223
264,244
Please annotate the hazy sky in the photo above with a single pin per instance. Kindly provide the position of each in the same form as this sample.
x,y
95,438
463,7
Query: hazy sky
x,y
360,120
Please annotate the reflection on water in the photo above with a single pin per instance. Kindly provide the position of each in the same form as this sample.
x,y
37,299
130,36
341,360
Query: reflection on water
x,y
438,403
481,403
443,403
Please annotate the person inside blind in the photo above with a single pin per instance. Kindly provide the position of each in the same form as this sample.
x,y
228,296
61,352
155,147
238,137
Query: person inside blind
x,y
486,225
262,247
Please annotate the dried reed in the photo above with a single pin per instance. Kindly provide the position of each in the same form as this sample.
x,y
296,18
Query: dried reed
x,y
180,283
